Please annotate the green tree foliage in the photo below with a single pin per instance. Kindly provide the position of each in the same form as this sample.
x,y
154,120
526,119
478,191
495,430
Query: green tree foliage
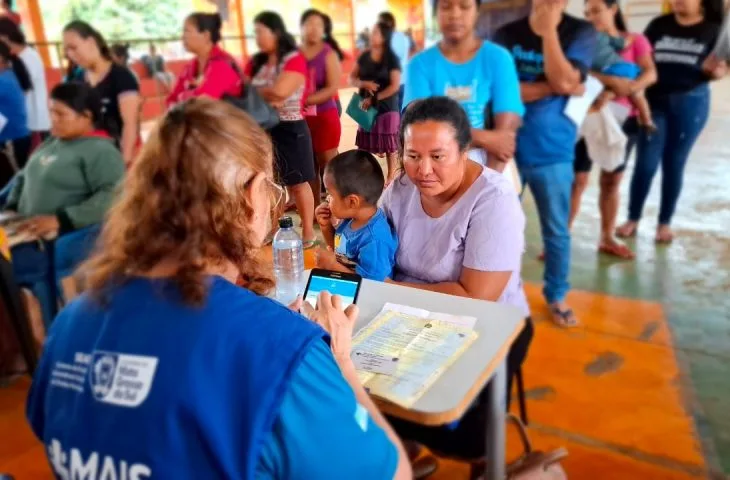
x,y
119,19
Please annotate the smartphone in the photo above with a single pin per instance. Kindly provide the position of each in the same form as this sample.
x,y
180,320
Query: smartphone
x,y
346,285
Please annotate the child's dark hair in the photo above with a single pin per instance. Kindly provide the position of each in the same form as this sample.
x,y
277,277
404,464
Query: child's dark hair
x,y
84,30
208,22
357,172
79,97
437,109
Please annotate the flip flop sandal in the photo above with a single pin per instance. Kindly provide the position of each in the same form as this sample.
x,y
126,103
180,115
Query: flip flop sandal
x,y
631,234
307,244
567,317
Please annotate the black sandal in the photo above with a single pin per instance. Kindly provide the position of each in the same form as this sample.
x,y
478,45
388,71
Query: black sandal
x,y
563,318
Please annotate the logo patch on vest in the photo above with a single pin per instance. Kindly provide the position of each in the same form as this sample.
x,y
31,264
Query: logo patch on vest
x,y
121,379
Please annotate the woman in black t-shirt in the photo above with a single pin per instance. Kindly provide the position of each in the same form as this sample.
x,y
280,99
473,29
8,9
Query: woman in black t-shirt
x,y
115,84
377,75
680,100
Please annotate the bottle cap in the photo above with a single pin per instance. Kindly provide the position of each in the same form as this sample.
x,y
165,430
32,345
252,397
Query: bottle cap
x,y
286,222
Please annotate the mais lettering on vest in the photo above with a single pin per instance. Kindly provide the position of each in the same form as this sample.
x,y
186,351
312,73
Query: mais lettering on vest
x,y
72,466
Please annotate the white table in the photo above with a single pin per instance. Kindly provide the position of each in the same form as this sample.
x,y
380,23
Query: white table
x,y
452,394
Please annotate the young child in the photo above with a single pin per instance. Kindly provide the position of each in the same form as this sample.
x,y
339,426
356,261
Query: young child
x,y
608,62
359,236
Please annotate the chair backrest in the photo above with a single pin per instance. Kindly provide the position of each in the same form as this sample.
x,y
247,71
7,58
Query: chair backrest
x,y
14,309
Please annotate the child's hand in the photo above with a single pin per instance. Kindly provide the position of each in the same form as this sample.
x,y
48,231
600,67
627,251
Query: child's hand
x,y
323,215
325,259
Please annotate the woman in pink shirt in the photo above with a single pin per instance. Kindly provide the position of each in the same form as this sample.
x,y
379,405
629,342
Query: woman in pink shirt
x,y
606,17
213,72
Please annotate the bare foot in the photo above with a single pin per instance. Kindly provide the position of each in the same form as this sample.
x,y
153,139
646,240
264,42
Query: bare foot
x,y
627,230
664,234
562,315
610,246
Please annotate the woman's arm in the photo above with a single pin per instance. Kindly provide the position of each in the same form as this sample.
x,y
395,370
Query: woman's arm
x,y
714,68
648,76
355,76
286,84
392,88
534,91
472,284
129,103
332,83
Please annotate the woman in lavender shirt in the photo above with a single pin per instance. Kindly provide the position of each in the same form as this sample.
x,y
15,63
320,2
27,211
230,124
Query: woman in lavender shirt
x,y
461,229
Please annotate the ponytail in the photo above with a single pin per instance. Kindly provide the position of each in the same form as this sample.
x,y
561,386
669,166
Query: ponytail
x,y
208,22
713,11
21,73
329,39
84,30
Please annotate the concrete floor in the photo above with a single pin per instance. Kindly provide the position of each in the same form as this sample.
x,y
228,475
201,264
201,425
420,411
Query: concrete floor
x,y
689,278
642,389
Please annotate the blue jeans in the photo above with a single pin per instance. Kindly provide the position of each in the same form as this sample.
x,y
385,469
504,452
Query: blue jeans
x,y
679,119
551,186
41,265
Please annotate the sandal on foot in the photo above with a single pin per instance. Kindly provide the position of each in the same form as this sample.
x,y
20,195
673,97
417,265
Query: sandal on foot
x,y
664,238
307,244
627,230
618,250
563,318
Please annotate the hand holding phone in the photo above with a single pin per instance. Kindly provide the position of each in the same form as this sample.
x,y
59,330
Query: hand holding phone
x,y
346,285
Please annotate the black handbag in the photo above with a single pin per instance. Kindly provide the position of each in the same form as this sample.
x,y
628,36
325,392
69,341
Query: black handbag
x,y
252,103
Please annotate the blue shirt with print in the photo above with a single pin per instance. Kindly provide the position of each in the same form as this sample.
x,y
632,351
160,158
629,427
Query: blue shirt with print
x,y
369,250
490,76
547,135
143,385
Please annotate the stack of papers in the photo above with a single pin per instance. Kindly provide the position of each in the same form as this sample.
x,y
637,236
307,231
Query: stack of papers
x,y
404,350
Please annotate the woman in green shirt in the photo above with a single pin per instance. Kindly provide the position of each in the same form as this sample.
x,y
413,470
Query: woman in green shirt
x,y
64,191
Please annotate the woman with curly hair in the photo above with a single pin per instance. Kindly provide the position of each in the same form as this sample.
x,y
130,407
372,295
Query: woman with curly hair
x,y
217,380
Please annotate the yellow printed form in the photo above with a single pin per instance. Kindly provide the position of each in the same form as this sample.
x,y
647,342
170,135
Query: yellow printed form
x,y
400,355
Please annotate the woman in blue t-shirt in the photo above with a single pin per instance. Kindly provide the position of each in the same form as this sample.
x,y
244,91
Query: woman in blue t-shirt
x,y
167,368
14,80
478,74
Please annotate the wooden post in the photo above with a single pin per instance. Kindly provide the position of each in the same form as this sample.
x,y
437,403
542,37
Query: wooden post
x,y
241,27
353,33
38,31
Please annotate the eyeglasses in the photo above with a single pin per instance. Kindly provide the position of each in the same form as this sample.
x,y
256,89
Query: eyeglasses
x,y
278,193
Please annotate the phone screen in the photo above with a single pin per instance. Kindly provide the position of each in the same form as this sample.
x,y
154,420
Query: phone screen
x,y
347,289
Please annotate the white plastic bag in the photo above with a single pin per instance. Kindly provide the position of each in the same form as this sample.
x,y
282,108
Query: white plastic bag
x,y
605,139
722,47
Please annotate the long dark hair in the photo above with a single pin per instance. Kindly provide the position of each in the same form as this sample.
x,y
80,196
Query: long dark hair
x,y
327,21
121,50
208,22
386,31
84,30
285,42
21,73
9,29
619,18
714,11
81,98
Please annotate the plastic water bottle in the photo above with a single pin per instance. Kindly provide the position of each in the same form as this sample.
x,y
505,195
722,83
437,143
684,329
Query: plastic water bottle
x,y
288,261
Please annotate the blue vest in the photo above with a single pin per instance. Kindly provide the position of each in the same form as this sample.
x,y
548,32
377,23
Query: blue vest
x,y
147,387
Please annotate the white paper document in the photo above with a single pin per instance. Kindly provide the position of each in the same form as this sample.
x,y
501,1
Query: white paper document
x,y
577,107
404,350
